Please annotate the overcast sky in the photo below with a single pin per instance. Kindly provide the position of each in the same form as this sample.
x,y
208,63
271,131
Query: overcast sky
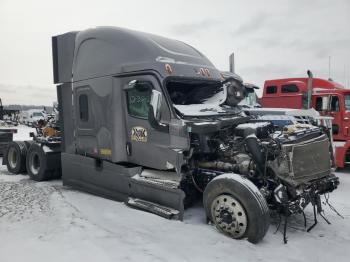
x,y
271,39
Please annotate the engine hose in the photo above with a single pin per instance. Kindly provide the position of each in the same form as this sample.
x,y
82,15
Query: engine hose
x,y
195,184
218,165
255,150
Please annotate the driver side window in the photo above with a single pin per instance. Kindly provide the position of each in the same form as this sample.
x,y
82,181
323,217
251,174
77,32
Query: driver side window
x,y
318,106
138,99
335,104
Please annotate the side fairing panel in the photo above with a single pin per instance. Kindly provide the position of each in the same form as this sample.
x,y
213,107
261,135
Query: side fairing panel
x,y
62,56
65,95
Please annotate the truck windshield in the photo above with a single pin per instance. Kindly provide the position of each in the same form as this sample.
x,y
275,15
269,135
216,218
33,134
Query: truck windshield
x,y
197,97
196,92
347,102
249,100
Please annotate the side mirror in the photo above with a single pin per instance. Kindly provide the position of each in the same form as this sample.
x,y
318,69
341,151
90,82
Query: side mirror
x,y
325,103
156,102
236,92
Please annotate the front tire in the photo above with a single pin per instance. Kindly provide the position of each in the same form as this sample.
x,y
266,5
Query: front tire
x,y
236,207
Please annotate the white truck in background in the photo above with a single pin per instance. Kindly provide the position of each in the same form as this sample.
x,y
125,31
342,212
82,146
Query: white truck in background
x,y
32,116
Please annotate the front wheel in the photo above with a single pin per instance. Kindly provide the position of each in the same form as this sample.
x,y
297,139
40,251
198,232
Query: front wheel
x,y
236,207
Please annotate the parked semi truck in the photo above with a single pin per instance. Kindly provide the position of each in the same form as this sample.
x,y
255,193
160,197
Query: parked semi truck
x,y
327,97
150,121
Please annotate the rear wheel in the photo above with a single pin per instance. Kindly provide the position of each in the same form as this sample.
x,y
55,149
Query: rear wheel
x,y
16,157
37,163
236,207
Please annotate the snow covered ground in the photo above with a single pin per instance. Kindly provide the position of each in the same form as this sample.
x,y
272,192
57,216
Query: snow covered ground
x,y
48,222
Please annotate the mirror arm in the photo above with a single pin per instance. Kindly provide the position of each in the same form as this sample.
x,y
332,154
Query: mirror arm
x,y
155,124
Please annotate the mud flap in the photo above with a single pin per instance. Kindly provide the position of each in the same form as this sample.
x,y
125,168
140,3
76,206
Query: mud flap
x,y
6,136
156,196
4,155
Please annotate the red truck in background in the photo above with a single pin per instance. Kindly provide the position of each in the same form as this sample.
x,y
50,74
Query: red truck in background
x,y
327,97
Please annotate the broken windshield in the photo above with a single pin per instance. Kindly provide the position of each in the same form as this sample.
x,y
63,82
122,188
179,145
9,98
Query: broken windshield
x,y
196,92
197,97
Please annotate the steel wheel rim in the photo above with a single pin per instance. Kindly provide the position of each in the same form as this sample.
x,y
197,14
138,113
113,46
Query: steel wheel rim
x,y
229,216
12,157
34,163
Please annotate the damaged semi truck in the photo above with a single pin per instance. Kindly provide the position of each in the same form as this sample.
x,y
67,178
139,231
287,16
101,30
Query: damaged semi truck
x,y
150,121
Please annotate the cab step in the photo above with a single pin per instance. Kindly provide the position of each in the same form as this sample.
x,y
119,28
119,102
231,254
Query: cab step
x,y
159,196
154,208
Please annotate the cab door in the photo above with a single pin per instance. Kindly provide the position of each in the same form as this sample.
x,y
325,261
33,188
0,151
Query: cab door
x,y
321,104
146,145
335,111
330,105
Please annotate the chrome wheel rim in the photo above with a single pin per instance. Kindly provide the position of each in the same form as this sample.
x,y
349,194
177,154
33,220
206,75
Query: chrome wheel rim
x,y
12,157
229,216
34,164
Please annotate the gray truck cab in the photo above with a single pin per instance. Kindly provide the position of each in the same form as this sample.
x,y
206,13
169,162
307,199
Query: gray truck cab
x,y
115,73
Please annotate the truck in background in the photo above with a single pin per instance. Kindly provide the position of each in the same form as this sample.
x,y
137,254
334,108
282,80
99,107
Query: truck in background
x,y
32,116
327,97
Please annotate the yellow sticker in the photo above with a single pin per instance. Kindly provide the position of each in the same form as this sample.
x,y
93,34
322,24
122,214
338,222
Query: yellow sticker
x,y
105,151
139,134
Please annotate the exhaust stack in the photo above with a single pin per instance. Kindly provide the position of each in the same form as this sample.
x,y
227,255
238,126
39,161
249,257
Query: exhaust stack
x,y
309,88
232,63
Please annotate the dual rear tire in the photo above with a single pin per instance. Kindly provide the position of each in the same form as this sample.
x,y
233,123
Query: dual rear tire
x,y
30,157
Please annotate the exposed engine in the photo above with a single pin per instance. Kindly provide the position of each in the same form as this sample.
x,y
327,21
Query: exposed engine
x,y
291,167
